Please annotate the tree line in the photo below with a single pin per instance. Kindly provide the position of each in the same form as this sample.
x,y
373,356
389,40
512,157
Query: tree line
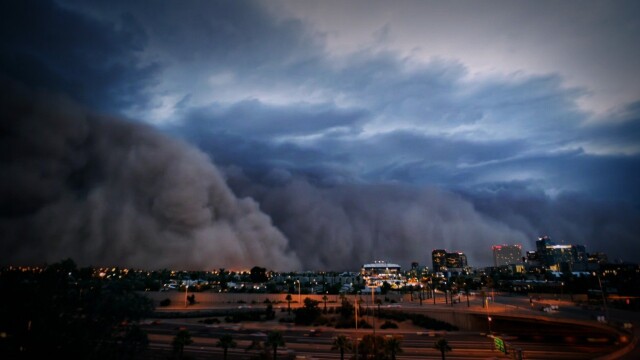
x,y
65,311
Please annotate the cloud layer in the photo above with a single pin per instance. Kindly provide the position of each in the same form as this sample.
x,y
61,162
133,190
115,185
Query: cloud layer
x,y
523,122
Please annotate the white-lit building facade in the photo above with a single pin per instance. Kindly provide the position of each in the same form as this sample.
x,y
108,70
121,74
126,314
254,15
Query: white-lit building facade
x,y
379,272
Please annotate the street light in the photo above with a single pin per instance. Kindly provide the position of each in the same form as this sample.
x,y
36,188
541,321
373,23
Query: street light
x,y
604,299
299,293
186,297
373,316
488,315
356,313
373,308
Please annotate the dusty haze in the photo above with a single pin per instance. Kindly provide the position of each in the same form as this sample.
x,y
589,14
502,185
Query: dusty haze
x,y
108,192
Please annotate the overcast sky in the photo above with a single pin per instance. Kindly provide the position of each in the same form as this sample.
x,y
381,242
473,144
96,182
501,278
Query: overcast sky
x,y
348,131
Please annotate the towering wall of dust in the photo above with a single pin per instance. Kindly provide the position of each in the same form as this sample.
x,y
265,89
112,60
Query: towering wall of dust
x,y
109,192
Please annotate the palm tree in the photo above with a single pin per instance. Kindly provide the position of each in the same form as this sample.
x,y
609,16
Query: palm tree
x,y
371,346
257,349
226,342
182,339
392,346
134,340
342,343
436,282
288,298
443,345
275,339
325,298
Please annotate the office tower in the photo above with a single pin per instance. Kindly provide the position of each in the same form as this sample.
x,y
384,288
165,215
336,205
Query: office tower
x,y
507,255
561,257
543,248
438,257
598,258
456,260
542,243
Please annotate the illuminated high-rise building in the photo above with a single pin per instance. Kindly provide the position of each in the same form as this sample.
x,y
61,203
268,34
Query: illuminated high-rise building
x,y
507,255
543,246
532,257
438,257
598,258
456,260
542,243
561,257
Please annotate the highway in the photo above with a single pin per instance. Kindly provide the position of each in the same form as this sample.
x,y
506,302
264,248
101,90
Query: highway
x,y
415,345
566,332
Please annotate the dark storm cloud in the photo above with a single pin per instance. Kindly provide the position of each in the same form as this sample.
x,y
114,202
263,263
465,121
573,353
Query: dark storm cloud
x,y
213,50
261,157
524,130
611,227
344,226
233,33
611,177
107,192
621,136
47,46
537,109
327,142
254,120
392,87
519,129
425,158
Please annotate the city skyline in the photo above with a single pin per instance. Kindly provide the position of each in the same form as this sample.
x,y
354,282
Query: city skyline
x,y
315,135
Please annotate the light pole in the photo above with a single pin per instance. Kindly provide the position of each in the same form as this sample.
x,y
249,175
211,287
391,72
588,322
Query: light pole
x,y
488,315
356,312
604,299
299,293
373,318
373,310
186,297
